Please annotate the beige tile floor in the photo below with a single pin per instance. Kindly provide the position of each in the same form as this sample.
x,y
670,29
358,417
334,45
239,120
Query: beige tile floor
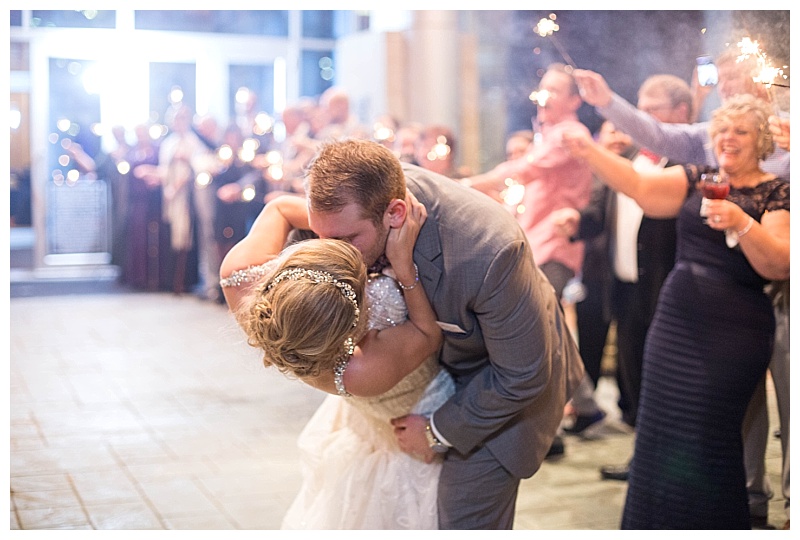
x,y
148,411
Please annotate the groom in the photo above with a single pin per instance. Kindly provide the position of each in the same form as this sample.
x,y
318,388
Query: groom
x,y
506,344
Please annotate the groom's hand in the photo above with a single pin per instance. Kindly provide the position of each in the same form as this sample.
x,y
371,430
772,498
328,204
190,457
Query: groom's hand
x,y
410,433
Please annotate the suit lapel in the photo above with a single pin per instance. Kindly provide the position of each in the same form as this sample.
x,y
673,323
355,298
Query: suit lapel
x,y
428,249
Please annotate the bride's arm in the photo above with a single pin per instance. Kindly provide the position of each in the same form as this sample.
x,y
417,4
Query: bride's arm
x,y
384,357
265,240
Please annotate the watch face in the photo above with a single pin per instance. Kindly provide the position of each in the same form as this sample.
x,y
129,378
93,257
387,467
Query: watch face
x,y
439,448
433,442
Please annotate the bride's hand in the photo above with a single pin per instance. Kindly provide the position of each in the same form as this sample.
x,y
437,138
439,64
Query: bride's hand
x,y
400,244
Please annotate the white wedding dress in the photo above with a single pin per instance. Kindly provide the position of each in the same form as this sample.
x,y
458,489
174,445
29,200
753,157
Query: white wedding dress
x,y
354,474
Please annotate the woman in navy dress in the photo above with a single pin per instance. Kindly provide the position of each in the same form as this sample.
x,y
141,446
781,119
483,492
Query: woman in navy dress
x,y
711,338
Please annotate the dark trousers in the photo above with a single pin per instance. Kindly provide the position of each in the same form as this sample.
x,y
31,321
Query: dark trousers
x,y
633,321
593,324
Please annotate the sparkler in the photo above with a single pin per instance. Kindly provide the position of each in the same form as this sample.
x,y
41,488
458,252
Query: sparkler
x,y
547,28
768,72
440,150
382,133
540,97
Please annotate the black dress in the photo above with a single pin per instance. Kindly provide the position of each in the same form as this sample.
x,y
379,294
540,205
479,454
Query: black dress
x,y
708,346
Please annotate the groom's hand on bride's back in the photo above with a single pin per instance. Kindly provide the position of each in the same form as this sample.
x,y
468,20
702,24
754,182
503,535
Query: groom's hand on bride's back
x,y
410,433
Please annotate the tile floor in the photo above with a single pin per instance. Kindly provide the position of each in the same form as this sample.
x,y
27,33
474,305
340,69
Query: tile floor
x,y
148,411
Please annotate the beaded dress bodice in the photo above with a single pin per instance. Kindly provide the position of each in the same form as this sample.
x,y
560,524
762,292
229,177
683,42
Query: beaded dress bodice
x,y
386,307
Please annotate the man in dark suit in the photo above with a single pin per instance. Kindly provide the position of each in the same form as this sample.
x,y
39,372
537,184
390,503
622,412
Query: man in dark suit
x,y
507,344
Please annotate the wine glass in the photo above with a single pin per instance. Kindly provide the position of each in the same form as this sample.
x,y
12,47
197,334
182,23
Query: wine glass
x,y
712,186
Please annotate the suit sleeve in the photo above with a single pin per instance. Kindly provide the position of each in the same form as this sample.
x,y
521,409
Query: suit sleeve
x,y
513,311
683,143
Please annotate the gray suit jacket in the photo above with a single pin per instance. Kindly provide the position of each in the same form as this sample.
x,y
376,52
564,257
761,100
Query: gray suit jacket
x,y
509,349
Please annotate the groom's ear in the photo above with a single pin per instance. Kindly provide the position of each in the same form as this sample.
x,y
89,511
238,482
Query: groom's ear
x,y
396,213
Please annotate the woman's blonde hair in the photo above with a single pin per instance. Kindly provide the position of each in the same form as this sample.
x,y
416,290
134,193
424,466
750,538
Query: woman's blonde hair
x,y
306,313
742,105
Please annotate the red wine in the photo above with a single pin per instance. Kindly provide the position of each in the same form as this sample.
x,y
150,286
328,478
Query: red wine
x,y
715,191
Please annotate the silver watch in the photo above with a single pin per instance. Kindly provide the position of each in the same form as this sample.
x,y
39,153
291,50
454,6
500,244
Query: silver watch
x,y
435,444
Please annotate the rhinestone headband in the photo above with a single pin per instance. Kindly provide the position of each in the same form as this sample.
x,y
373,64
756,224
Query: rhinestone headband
x,y
295,274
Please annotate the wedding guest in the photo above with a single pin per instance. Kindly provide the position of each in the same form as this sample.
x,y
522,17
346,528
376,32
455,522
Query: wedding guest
x,y
690,143
712,335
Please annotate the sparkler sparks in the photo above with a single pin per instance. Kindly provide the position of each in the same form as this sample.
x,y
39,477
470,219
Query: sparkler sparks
x,y
440,150
547,28
768,73
540,97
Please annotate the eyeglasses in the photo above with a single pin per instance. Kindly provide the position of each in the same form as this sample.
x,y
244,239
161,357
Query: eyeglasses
x,y
656,108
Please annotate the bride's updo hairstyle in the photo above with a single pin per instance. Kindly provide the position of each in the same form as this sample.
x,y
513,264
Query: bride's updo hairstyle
x,y
307,313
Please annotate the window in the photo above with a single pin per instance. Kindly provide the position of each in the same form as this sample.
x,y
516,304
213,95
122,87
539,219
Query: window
x,y
171,83
258,80
85,18
262,23
316,72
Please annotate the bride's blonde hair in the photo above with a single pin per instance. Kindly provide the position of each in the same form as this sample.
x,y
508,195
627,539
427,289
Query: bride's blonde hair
x,y
308,311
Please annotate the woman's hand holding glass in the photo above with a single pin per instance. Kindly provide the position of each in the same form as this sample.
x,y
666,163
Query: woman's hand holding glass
x,y
725,215
714,187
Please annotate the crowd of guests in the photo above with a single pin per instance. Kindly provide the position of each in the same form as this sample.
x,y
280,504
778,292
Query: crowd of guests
x,y
691,374
616,214
182,198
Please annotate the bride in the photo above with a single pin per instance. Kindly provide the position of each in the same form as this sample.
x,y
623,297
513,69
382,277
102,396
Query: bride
x,y
370,342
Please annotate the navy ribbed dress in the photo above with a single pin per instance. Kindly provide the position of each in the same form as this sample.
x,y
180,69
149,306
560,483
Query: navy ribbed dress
x,y
709,345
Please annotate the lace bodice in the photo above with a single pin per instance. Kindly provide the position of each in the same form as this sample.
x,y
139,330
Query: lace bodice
x,y
698,243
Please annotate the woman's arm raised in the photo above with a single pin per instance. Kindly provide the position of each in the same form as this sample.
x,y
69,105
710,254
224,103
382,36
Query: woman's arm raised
x,y
265,240
660,192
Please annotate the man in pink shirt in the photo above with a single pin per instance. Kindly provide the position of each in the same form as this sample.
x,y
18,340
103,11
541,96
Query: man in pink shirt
x,y
552,180
551,177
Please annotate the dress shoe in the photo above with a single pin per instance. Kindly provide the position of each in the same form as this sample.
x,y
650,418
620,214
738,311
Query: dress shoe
x,y
584,421
615,472
556,448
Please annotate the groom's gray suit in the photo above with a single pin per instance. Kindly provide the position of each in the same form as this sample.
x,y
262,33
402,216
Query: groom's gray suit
x,y
506,344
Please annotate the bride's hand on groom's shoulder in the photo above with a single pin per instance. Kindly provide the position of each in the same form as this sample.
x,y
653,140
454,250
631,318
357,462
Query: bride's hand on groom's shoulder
x,y
401,240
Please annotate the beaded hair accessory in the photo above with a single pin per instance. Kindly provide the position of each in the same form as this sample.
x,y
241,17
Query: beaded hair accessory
x,y
317,276
295,274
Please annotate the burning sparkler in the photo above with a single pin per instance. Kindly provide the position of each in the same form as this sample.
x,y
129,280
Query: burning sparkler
x,y
768,73
440,150
539,97
547,28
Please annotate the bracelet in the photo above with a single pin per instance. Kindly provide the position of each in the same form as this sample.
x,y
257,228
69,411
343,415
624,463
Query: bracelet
x,y
416,280
746,228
